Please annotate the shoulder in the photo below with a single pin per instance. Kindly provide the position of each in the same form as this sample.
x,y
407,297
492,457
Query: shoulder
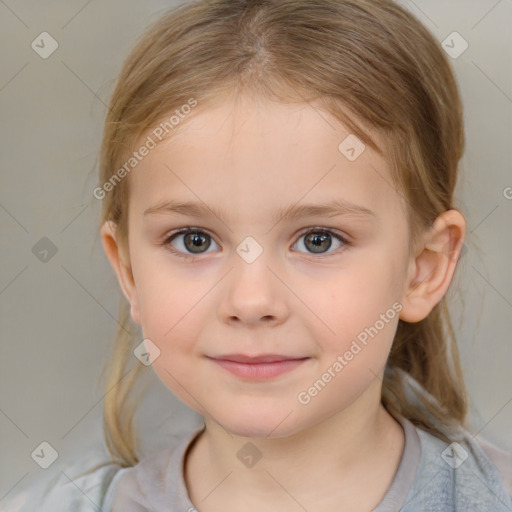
x,y
66,488
460,475
501,459
156,481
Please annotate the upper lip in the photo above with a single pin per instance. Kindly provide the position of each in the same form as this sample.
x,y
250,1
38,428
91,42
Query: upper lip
x,y
265,358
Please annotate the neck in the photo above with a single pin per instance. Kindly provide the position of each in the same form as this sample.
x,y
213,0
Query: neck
x,y
340,454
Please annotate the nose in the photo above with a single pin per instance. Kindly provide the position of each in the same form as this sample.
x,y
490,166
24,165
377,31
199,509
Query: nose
x,y
253,295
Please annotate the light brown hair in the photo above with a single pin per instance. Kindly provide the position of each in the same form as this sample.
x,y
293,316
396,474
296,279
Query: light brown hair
x,y
370,63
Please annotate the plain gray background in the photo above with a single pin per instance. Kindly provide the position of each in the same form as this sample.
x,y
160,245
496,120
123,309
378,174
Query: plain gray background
x,y
58,316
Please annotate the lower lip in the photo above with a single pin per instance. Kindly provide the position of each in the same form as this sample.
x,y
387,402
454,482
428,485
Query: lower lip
x,y
259,371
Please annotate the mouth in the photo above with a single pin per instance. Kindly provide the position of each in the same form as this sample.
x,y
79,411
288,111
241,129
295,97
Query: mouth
x,y
259,367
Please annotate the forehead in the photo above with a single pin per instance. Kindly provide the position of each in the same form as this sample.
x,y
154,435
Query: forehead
x,y
252,153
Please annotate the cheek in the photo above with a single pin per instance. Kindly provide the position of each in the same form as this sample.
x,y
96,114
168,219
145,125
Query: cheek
x,y
169,317
173,321
174,308
356,298
167,299
359,316
354,358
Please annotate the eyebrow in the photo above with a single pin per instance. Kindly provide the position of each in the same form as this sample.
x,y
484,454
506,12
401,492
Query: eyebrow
x,y
332,208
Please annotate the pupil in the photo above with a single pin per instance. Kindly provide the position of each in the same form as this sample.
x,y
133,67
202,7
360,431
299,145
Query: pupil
x,y
317,241
196,240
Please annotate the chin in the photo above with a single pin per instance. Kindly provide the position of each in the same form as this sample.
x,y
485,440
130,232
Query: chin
x,y
257,425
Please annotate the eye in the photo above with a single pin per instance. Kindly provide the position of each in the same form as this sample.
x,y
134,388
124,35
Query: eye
x,y
189,242
319,240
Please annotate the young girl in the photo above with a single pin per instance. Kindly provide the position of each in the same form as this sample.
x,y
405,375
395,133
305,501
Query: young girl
x,y
277,185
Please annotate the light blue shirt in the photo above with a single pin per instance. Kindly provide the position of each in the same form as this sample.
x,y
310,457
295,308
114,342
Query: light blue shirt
x,y
470,475
432,476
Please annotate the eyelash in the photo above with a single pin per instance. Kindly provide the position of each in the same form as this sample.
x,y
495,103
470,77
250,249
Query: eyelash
x,y
319,230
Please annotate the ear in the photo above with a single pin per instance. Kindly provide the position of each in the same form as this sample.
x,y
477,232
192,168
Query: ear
x,y
118,260
430,272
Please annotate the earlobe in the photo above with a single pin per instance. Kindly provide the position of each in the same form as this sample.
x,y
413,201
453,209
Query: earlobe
x,y
431,271
119,263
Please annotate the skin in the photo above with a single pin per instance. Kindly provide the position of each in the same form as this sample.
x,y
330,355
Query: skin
x,y
250,157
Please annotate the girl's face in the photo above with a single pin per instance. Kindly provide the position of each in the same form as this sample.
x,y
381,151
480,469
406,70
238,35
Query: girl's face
x,y
320,284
